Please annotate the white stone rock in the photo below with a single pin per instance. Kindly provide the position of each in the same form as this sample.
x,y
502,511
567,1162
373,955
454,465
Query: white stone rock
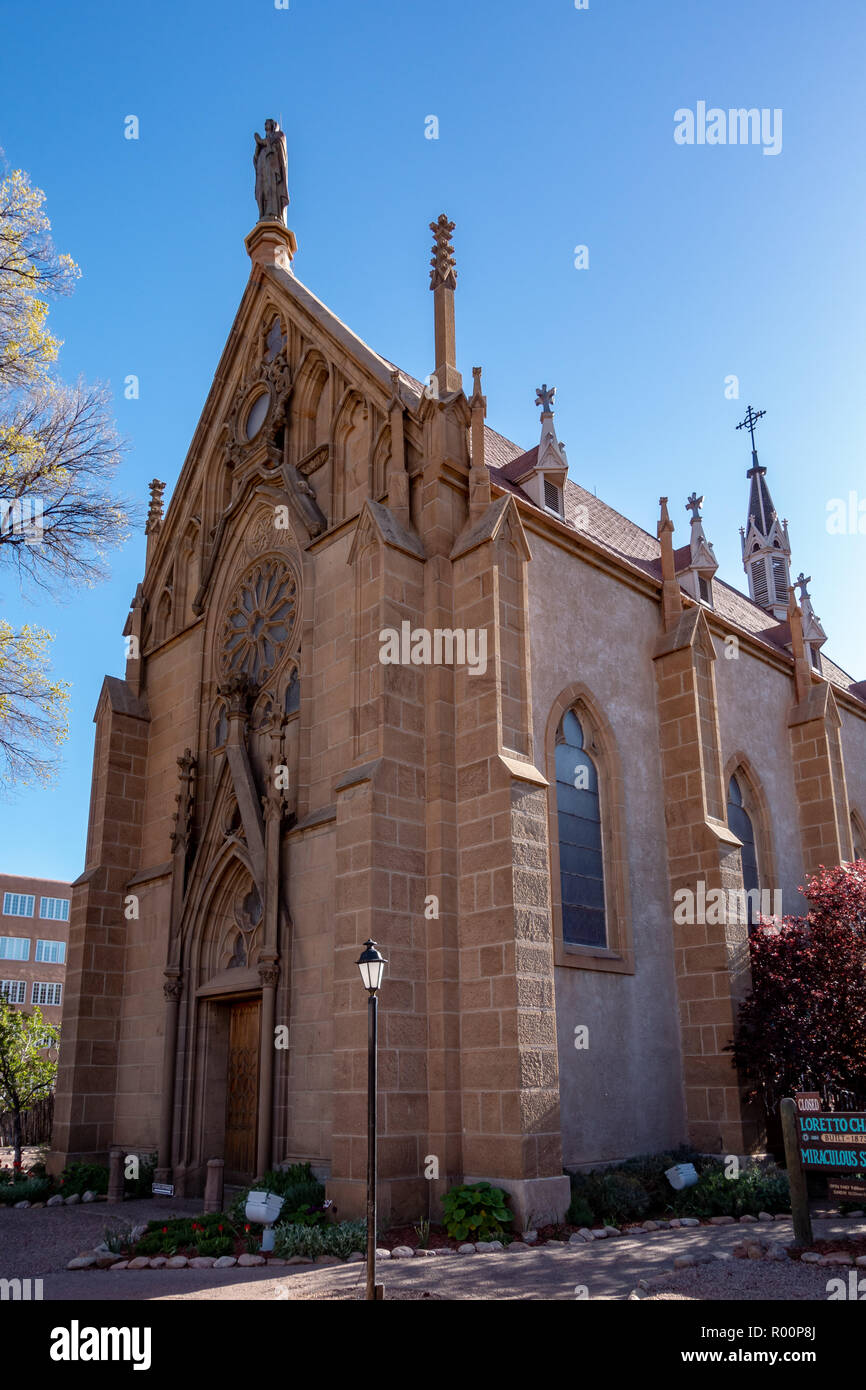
x,y
272,1260
810,1258
764,1216
754,1250
82,1262
857,1212
483,1247
777,1252
837,1258
55,1201
575,1238
722,1255
689,1221
327,1260
356,1256
650,1226
421,1253
177,1262
88,1196
299,1260
203,1262
140,1262
121,1264
72,1199
381,1254
402,1252
674,1222
662,1225
684,1261
466,1250
247,1261
612,1230
226,1262
497,1245
746,1219
722,1220
860,1262
21,1206
599,1235
158,1262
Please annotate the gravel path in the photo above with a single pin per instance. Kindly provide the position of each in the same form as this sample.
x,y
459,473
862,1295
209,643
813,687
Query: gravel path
x,y
740,1281
33,1243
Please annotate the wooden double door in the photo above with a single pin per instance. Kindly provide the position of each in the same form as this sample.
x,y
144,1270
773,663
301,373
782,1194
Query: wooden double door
x,y
242,1089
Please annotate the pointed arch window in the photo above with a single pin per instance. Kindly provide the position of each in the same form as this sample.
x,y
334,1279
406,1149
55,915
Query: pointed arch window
x,y
581,857
740,822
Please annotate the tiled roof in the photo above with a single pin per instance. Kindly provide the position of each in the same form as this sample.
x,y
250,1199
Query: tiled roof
x,y
625,540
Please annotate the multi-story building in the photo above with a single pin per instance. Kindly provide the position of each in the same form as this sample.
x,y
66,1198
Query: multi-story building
x,y
34,931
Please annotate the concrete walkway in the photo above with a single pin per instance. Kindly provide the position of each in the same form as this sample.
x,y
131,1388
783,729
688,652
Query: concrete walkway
x,y
607,1269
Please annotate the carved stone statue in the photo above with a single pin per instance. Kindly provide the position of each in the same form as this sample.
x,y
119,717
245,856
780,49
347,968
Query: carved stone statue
x,y
272,173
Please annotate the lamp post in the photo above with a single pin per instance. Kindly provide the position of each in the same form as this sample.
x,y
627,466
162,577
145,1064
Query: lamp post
x,y
372,967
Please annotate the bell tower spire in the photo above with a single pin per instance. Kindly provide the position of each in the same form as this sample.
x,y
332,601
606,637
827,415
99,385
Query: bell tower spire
x,y
766,548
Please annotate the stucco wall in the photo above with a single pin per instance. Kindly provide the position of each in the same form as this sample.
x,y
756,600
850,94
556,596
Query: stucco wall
x,y
623,1095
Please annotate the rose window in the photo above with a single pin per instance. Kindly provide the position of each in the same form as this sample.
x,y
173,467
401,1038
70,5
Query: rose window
x,y
259,621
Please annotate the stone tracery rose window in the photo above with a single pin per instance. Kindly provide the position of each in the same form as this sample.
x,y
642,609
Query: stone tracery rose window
x,y
259,620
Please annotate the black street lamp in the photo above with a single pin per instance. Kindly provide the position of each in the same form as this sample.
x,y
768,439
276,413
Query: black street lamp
x,y
372,967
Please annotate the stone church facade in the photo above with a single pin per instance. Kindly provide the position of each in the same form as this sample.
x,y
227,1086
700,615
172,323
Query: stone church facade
x,y
271,788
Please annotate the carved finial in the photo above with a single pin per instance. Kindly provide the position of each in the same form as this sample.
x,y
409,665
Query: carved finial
x,y
800,583
544,397
154,513
665,523
183,816
694,505
444,270
477,397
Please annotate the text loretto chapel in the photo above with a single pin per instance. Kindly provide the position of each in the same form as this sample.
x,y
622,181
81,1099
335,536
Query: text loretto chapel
x,y
393,676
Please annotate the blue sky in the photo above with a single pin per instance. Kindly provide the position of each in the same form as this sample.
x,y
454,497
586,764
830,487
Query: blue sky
x,y
555,130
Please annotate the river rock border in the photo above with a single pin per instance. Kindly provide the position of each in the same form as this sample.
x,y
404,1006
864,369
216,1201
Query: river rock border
x,y
749,1250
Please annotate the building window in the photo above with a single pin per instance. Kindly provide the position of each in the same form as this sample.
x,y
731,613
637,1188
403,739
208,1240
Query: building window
x,y
14,948
56,909
705,590
14,991
18,904
53,952
815,657
581,863
740,822
45,993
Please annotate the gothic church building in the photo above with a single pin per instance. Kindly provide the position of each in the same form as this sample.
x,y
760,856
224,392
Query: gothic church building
x,y
269,791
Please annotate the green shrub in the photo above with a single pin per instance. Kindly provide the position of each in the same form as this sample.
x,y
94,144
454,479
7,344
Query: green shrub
x,y
758,1188
84,1177
339,1240
580,1213
305,1216
27,1190
475,1211
216,1246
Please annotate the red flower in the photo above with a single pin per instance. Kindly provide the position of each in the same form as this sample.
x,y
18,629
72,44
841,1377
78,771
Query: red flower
x,y
165,1230
246,1228
219,1228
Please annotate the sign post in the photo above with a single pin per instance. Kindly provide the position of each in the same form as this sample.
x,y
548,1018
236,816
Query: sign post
x,y
796,1175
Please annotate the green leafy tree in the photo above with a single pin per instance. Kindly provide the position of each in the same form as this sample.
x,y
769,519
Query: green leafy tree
x,y
58,452
27,1070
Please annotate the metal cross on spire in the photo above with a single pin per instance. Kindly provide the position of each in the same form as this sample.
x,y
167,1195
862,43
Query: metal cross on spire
x,y
800,583
544,397
752,418
694,505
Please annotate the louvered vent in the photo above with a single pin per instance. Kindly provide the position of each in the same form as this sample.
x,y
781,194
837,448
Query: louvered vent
x,y
759,583
780,578
551,496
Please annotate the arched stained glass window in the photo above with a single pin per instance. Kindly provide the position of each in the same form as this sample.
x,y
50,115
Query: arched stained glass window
x,y
740,822
581,862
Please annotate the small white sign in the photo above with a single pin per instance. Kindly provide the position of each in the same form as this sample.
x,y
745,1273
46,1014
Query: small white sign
x,y
162,1189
